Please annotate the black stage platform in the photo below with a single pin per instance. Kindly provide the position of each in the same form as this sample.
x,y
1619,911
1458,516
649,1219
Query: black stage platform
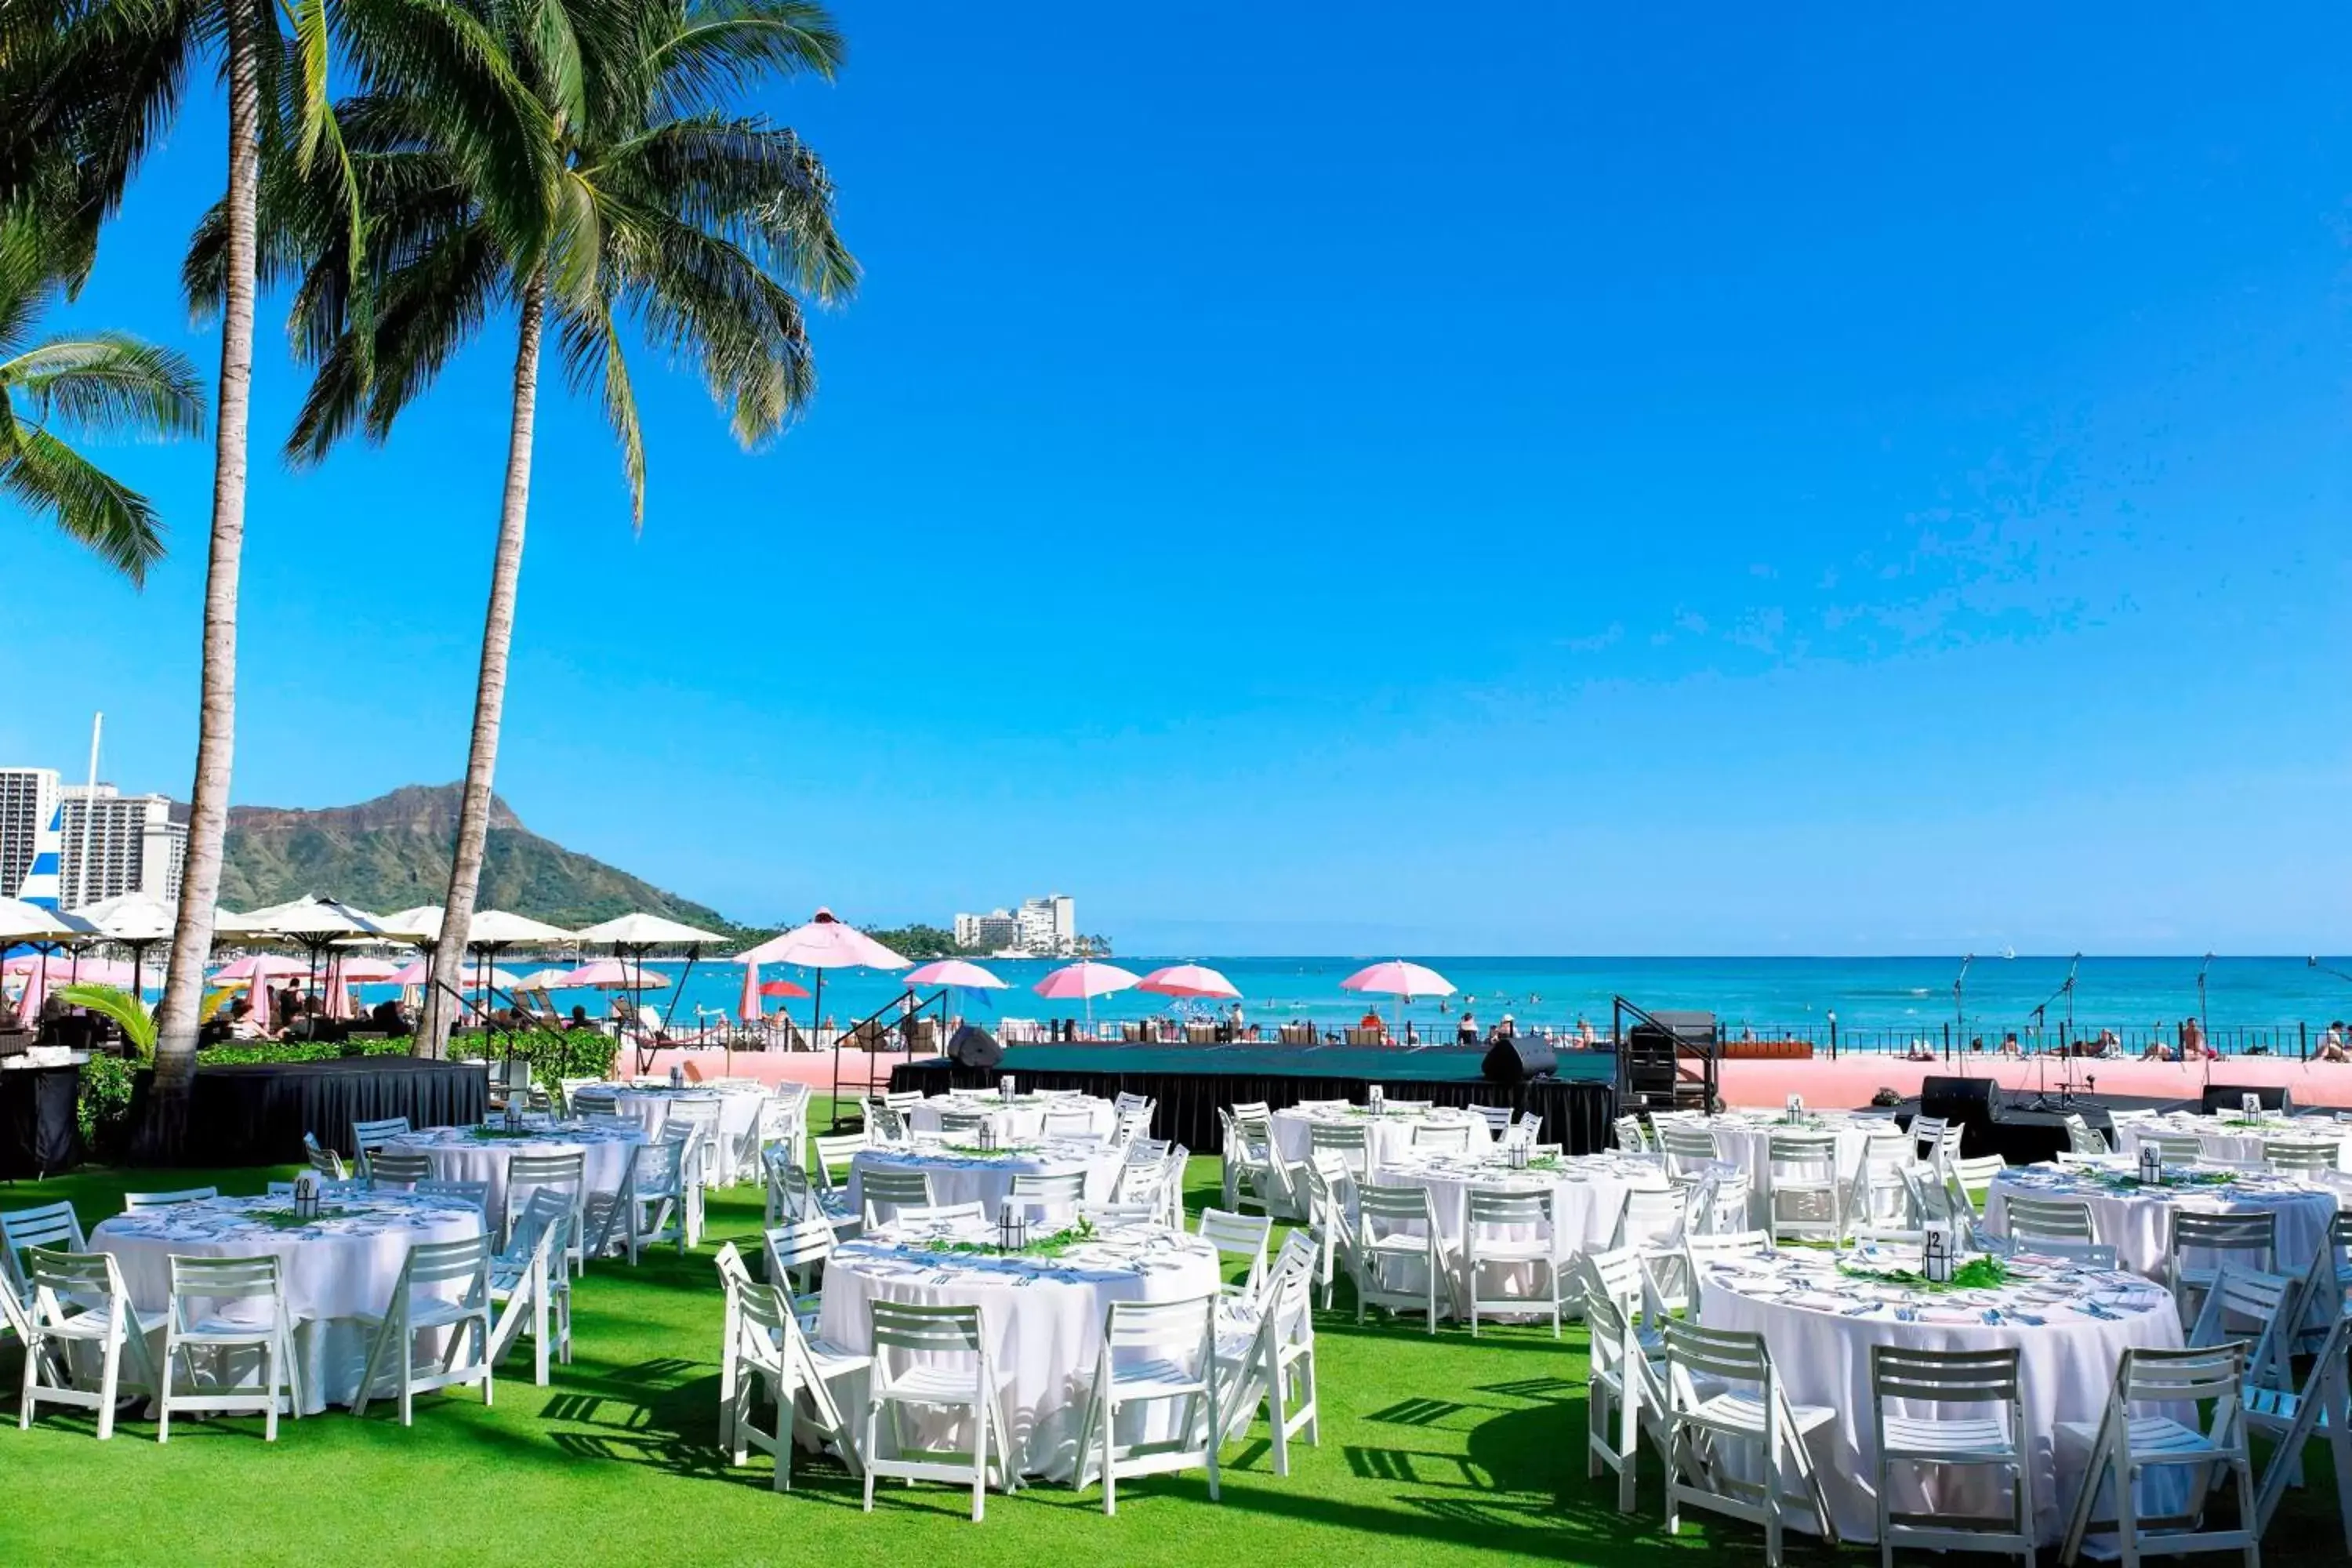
x,y
257,1114
2019,1125
1191,1083
39,1133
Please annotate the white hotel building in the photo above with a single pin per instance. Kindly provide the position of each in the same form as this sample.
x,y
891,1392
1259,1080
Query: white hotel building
x,y
1040,928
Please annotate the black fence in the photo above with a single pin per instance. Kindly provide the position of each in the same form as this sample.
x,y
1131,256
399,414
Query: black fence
x,y
1945,1041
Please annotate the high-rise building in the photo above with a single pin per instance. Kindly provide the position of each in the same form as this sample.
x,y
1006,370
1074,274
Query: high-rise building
x,y
114,843
1043,928
28,813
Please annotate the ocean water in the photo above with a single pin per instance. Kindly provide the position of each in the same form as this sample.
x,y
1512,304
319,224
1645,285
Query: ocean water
x,y
1878,1003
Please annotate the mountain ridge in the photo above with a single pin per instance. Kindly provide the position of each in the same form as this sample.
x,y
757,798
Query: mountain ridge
x,y
392,852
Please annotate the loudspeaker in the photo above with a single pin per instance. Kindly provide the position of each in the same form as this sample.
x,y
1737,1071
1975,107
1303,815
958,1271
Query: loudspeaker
x,y
2227,1098
1953,1099
974,1046
1519,1058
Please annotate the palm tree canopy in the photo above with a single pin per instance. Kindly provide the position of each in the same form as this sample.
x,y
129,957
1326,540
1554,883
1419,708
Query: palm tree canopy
x,y
701,229
100,384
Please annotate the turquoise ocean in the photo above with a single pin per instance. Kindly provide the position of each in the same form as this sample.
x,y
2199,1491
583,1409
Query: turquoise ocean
x,y
1878,1003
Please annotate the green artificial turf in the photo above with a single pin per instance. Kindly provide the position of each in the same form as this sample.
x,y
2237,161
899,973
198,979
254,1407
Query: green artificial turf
x,y
1434,1450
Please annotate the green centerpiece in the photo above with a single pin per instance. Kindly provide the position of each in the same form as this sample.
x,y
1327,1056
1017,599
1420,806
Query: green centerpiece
x,y
2125,1181
488,1134
974,1151
289,1219
1052,1246
1982,1273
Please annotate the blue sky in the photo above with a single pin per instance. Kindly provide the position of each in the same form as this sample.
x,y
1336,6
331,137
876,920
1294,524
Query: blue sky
x,y
1508,478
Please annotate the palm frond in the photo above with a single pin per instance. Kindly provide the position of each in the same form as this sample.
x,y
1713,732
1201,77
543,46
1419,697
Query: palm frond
x,y
592,357
110,383
720,49
116,523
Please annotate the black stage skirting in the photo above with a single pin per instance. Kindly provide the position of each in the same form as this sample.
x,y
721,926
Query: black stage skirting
x,y
1576,1113
255,1115
40,1132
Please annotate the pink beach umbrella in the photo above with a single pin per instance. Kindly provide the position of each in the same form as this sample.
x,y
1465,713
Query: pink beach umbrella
x,y
1084,981
263,966
1401,980
611,974
1187,980
826,942
955,971
747,1005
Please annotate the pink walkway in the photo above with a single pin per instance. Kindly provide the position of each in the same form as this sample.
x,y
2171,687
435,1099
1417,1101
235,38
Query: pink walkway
x,y
1850,1081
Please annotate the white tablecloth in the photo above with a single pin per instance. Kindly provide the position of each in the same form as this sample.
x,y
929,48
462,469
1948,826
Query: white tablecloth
x,y
739,1123
959,1176
2070,1326
340,1265
1023,1121
1388,1137
471,1154
2228,1138
1043,1317
2137,1221
1588,1195
1745,1140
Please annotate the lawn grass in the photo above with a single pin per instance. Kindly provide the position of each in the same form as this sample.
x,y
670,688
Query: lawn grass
x,y
1434,1450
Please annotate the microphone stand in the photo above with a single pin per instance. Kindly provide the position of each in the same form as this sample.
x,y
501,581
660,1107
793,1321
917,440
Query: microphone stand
x,y
1961,1012
2065,1100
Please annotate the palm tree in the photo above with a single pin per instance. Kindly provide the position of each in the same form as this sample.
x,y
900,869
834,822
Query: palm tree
x,y
92,86
106,384
704,227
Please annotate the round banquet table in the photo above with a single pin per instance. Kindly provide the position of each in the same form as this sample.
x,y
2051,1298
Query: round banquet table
x,y
1043,1317
1588,1195
482,1153
1744,1138
1388,1137
961,1174
1021,1121
2228,1138
2070,1326
2136,1221
344,1263
739,1122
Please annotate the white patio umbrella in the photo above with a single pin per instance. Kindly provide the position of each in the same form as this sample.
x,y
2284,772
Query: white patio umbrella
x,y
138,920
634,935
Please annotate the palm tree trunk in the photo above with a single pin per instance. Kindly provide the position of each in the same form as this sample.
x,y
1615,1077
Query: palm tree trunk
x,y
191,933
490,689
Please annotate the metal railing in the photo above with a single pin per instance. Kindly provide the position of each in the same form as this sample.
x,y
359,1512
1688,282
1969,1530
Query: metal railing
x,y
1944,1040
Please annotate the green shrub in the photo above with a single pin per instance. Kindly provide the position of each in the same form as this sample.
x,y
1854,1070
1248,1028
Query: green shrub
x,y
574,1053
103,1107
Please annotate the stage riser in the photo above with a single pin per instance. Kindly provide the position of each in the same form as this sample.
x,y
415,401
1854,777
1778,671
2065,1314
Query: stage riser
x,y
1576,1114
256,1115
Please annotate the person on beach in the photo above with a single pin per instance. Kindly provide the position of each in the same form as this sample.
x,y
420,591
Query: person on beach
x,y
241,1026
2331,1044
2010,1049
1465,1032
1585,1034
2192,1042
1412,1033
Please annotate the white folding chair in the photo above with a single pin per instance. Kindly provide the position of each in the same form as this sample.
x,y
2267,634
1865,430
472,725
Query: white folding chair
x,y
1048,1195
1447,1137
221,1283
476,1193
796,1252
2124,1445
2301,1156
1328,1227
417,1306
54,1226
530,1275
649,1205
1396,1232
2320,1409
135,1202
2080,1139
79,1298
388,1167
2177,1148
596,1100
1065,1124
1997,1440
1629,1135
1512,1231
2038,1220
527,1175
767,1347
1254,1172
324,1161
1689,1146
1748,1408
367,1137
936,1358
1274,1365
1242,1235
1801,1186
696,1119
884,1192
1625,1390
1157,1370
2251,1241
1349,1142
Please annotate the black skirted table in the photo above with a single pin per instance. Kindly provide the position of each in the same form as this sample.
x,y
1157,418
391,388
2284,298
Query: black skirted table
x,y
256,1114
40,1132
1191,1083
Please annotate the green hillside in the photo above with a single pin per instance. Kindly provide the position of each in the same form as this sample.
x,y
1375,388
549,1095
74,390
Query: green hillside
x,y
393,852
